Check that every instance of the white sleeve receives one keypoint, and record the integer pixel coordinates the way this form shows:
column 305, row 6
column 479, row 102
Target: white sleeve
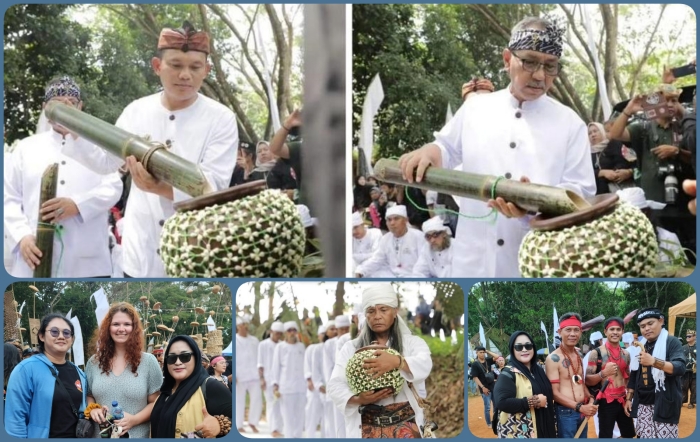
column 16, row 222
column 98, row 200
column 276, row 365
column 578, row 173
column 337, row 387
column 421, row 269
column 419, row 361
column 93, row 157
column 449, row 139
column 308, row 362
column 375, row 262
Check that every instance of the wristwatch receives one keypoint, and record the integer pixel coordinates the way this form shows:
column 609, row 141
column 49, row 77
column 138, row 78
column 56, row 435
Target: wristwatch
column 578, row 407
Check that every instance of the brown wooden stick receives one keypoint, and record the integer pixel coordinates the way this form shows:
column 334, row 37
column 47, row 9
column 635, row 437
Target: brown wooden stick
column 45, row 232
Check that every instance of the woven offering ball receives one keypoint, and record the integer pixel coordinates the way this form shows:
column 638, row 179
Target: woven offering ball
column 620, row 244
column 256, row 236
column 360, row 381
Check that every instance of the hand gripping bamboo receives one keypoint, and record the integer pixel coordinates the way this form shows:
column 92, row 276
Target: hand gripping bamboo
column 158, row 161
column 535, row 198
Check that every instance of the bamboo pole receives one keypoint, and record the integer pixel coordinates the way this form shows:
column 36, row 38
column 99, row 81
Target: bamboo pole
column 536, row 198
column 45, row 232
column 162, row 164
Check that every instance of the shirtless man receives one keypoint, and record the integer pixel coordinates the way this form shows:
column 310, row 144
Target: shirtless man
column 564, row 368
column 614, row 366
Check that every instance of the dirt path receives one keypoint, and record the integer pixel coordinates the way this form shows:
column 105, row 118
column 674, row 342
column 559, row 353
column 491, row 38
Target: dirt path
column 477, row 424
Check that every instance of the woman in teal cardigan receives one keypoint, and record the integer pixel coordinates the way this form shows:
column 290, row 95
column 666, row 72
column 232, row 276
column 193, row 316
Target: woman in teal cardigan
column 36, row 407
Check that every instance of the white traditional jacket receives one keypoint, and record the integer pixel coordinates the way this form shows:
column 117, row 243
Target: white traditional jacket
column 491, row 134
column 246, row 358
column 82, row 242
column 266, row 350
column 288, row 368
column 363, row 248
column 204, row 133
column 433, row 264
column 395, row 256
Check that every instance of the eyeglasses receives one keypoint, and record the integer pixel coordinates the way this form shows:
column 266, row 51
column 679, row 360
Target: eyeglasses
column 689, row 336
column 519, row 347
column 66, row 332
column 432, row 235
column 184, row 357
column 532, row 66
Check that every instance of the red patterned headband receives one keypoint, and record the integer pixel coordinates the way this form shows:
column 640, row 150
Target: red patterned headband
column 614, row 324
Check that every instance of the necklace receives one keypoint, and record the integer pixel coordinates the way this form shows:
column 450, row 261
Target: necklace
column 575, row 379
column 397, row 250
column 611, row 354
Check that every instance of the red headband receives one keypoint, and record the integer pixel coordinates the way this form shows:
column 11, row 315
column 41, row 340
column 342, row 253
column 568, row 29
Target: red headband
column 614, row 323
column 569, row 322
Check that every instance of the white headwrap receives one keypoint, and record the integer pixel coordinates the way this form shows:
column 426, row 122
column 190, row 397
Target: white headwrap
column 627, row 338
column 305, row 216
column 434, row 224
column 383, row 294
column 356, row 219
column 277, row 326
column 321, row 330
column 330, row 324
column 342, row 321
column 397, row 210
column 637, row 197
column 290, row 325
column 242, row 320
column 595, row 336
column 239, row 321
column 659, row 353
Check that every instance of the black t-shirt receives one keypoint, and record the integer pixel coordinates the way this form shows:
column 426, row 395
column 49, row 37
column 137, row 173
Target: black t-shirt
column 295, row 159
column 218, row 399
column 479, row 371
column 282, row 176
column 63, row 420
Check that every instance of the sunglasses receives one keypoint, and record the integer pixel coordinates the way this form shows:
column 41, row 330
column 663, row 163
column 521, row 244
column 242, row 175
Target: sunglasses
column 66, row 332
column 432, row 235
column 689, row 336
column 184, row 357
column 520, row 347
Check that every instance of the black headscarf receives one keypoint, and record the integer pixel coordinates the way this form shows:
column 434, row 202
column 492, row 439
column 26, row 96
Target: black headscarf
column 540, row 385
column 11, row 358
column 164, row 414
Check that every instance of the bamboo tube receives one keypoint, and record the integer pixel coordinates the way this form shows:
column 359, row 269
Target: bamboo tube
column 536, row 198
column 45, row 233
column 163, row 165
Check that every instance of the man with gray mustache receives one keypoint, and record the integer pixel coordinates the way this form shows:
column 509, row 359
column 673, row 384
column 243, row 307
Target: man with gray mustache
column 517, row 133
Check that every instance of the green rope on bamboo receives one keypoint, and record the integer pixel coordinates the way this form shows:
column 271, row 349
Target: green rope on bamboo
column 58, row 234
column 493, row 213
column 257, row 236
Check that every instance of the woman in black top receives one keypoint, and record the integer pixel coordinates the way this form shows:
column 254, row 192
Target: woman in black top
column 183, row 379
column 46, row 394
column 613, row 163
column 523, row 370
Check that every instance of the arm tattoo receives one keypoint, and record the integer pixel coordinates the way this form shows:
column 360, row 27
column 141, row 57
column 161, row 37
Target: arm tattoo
column 554, row 357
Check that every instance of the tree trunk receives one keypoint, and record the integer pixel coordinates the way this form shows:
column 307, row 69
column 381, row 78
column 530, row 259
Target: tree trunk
column 339, row 304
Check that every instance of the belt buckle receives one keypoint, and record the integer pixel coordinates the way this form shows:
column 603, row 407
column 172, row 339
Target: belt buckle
column 386, row 420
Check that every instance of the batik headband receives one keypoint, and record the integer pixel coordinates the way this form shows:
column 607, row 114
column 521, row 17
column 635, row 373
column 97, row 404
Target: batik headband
column 549, row 40
column 184, row 39
column 63, row 87
column 649, row 313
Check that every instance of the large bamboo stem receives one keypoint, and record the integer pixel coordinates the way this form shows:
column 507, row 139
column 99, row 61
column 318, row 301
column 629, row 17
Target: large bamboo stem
column 164, row 165
column 536, row 198
column 45, row 232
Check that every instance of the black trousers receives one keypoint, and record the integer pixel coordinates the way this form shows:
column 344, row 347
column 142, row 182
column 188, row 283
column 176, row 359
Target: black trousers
column 608, row 415
column 689, row 382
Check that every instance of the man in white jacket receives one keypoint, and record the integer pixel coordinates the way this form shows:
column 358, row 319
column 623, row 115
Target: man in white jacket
column 247, row 379
column 516, row 133
column 192, row 126
column 288, row 383
column 364, row 241
column 384, row 325
column 313, row 369
column 80, row 211
column 435, row 260
column 266, row 350
column 398, row 250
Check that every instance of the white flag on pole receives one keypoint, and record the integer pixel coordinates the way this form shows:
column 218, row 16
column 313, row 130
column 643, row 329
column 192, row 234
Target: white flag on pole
column 22, row 307
column 602, row 88
column 211, row 325
column 545, row 336
column 68, row 314
column 267, row 74
column 373, row 99
column 78, row 353
column 482, row 336
column 102, row 305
